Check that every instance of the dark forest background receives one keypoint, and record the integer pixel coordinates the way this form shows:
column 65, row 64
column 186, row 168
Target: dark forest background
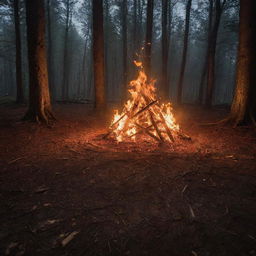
column 69, row 47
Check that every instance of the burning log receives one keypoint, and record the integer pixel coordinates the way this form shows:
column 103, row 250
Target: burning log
column 148, row 133
column 135, row 115
column 141, row 131
column 155, row 125
column 118, row 120
column 169, row 133
column 142, row 113
column 145, row 108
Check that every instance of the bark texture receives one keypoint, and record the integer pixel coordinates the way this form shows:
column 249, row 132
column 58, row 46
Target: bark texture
column 165, row 85
column 184, row 54
column 39, row 97
column 202, row 82
column 65, row 80
column 148, row 42
column 125, row 67
column 19, row 83
column 243, row 110
column 50, row 50
column 212, row 52
column 98, row 55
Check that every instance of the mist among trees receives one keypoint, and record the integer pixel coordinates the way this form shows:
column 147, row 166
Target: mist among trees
column 180, row 39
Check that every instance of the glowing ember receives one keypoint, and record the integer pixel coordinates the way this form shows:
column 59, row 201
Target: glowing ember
column 142, row 113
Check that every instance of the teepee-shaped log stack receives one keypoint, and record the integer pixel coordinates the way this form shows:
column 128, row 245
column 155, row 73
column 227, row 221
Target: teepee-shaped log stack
column 143, row 114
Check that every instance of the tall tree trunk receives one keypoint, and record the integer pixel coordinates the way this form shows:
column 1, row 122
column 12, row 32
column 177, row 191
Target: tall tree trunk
column 243, row 110
column 165, row 85
column 184, row 54
column 107, row 47
column 98, row 55
column 39, row 96
column 211, row 54
column 65, row 89
column 202, row 81
column 135, row 29
column 125, row 67
column 139, row 38
column 135, row 35
column 19, row 83
column 169, row 38
column 50, row 55
column 139, row 29
column 84, row 74
column 149, row 32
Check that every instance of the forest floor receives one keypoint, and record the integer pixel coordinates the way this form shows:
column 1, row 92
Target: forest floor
column 66, row 191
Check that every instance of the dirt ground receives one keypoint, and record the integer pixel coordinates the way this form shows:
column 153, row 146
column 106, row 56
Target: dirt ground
column 66, row 191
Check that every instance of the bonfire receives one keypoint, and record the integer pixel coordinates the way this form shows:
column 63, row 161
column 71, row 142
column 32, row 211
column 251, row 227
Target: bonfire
column 143, row 114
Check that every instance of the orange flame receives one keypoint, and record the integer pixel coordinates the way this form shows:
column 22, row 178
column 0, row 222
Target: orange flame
column 139, row 110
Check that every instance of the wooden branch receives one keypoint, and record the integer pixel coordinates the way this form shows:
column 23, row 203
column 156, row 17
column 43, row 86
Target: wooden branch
column 145, row 108
column 148, row 133
column 168, row 131
column 127, row 113
column 116, row 122
column 155, row 126
column 184, row 136
column 140, row 131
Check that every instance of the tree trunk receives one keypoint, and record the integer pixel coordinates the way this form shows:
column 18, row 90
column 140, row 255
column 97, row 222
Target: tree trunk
column 165, row 85
column 135, row 36
column 201, row 86
column 184, row 54
column 169, row 38
column 148, row 42
column 39, row 97
column 50, row 55
column 135, row 29
column 98, row 55
column 125, row 68
column 65, row 86
column 243, row 110
column 139, row 29
column 106, row 27
column 211, row 54
column 84, row 74
column 19, row 83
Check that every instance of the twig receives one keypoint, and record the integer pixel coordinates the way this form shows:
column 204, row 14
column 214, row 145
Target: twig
column 69, row 238
column 15, row 160
column 184, row 189
column 191, row 211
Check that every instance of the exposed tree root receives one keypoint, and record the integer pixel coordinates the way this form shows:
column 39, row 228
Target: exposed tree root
column 45, row 116
column 232, row 121
column 223, row 121
column 252, row 119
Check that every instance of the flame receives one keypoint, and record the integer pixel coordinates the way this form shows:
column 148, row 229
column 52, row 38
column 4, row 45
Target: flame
column 139, row 110
column 137, row 63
